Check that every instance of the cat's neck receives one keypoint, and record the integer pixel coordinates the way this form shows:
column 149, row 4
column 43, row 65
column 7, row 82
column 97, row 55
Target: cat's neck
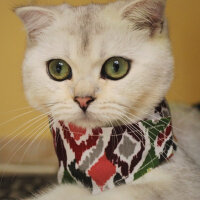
column 103, row 158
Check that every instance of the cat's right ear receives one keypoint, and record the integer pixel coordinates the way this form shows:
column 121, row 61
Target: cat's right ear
column 145, row 15
column 35, row 19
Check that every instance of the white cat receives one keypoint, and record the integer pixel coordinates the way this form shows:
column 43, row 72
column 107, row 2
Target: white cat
column 66, row 74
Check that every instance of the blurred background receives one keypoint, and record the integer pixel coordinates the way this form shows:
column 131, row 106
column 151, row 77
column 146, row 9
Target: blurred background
column 26, row 147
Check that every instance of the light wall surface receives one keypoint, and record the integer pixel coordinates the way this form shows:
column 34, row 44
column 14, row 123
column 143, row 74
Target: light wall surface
column 184, row 23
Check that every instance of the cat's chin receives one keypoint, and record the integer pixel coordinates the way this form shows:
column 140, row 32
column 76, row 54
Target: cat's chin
column 87, row 124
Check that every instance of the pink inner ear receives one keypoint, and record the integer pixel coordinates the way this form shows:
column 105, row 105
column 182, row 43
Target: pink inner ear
column 146, row 14
column 35, row 21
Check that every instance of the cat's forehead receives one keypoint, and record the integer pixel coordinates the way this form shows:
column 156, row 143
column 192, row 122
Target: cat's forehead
column 90, row 32
column 82, row 24
column 88, row 27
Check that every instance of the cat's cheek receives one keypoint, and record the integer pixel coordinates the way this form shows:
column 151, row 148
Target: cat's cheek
column 36, row 102
column 40, row 90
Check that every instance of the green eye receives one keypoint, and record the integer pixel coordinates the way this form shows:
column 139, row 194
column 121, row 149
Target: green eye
column 115, row 68
column 59, row 70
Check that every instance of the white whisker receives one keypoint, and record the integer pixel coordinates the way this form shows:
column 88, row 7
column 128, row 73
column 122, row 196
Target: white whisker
column 18, row 116
column 38, row 119
column 37, row 136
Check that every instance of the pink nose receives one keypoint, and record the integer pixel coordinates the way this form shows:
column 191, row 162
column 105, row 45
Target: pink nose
column 84, row 102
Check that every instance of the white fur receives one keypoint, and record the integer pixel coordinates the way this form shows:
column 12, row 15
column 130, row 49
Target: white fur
column 109, row 34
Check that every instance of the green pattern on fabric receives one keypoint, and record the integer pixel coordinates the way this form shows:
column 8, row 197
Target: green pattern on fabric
column 149, row 163
column 154, row 130
column 67, row 178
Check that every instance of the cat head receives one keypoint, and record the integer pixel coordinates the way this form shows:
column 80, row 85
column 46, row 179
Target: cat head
column 97, row 65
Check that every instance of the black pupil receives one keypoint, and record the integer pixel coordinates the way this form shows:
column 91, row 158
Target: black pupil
column 59, row 68
column 116, row 66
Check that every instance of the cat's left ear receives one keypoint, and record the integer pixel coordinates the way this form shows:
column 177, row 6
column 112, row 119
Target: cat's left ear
column 35, row 19
column 145, row 14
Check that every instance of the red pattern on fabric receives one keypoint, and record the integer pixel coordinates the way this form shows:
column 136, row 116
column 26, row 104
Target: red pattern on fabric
column 79, row 149
column 163, row 136
column 102, row 171
column 77, row 131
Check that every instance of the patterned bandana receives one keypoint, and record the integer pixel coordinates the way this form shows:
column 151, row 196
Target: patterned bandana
column 103, row 158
